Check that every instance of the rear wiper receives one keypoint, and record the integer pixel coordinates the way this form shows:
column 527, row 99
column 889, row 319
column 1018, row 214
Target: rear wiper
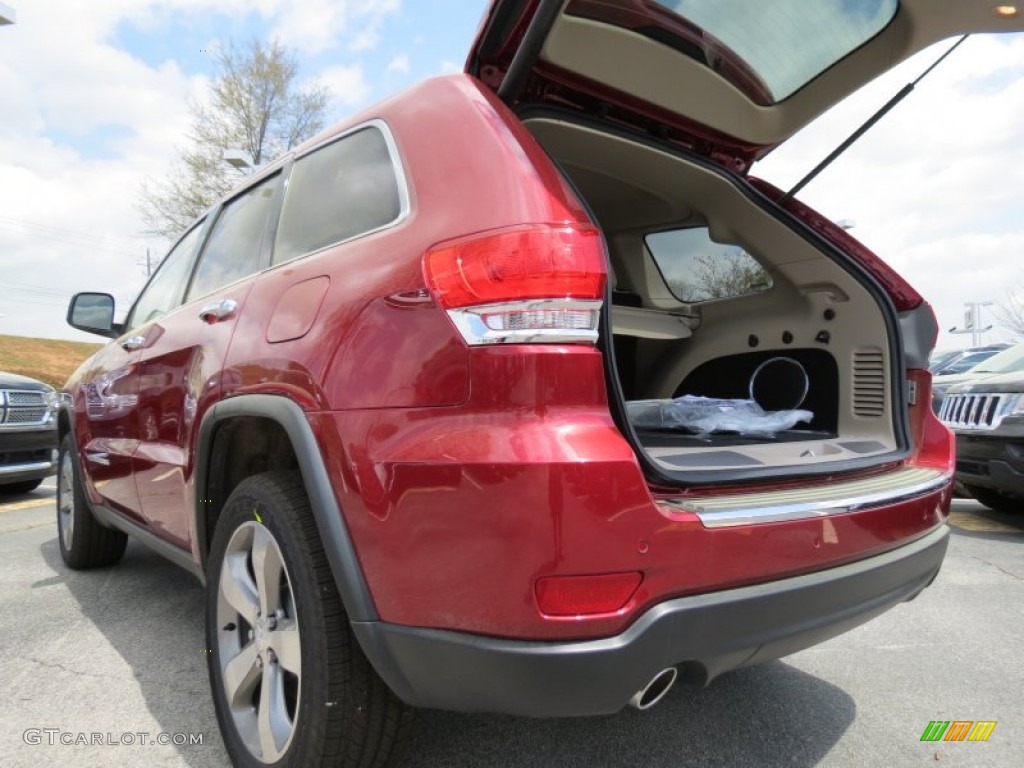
column 903, row 93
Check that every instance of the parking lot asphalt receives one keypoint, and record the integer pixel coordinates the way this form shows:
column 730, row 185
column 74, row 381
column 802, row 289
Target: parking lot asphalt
column 116, row 656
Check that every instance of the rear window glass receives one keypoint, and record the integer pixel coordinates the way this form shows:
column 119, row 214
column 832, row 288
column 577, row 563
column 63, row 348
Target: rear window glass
column 788, row 43
column 345, row 189
column 235, row 246
column 696, row 268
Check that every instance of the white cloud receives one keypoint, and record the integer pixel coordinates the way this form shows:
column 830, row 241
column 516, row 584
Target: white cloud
column 934, row 188
column 310, row 26
column 313, row 26
column 449, row 67
column 59, row 77
column 399, row 64
column 348, row 86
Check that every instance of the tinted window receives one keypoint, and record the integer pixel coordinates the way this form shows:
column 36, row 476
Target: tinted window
column 967, row 362
column 343, row 190
column 696, row 268
column 939, row 360
column 163, row 293
column 788, row 43
column 233, row 250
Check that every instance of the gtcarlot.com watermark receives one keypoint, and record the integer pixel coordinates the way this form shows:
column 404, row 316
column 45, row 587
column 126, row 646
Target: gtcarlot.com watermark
column 59, row 737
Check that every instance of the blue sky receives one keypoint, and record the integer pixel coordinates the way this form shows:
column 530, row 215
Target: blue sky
column 393, row 49
column 381, row 54
column 93, row 101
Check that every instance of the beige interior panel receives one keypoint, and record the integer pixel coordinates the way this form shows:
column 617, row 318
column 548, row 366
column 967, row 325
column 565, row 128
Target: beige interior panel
column 806, row 281
column 650, row 323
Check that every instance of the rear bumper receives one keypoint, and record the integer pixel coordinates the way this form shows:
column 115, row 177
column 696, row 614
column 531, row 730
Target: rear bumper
column 704, row 634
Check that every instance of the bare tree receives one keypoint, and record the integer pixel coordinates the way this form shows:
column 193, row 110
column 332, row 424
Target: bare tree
column 721, row 275
column 1009, row 311
column 734, row 273
column 254, row 104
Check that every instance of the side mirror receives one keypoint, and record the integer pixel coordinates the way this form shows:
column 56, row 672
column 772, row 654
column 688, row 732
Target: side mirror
column 93, row 313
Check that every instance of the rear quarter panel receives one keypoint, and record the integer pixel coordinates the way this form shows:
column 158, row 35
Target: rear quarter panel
column 379, row 340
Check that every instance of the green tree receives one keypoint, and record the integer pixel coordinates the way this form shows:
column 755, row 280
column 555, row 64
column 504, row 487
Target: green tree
column 254, row 104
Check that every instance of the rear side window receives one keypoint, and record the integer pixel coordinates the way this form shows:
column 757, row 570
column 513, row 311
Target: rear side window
column 163, row 293
column 696, row 268
column 345, row 189
column 235, row 245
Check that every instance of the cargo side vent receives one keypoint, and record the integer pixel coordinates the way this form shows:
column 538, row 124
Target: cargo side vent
column 869, row 383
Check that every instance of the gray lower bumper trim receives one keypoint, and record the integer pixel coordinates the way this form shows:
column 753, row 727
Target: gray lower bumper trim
column 704, row 635
column 35, row 466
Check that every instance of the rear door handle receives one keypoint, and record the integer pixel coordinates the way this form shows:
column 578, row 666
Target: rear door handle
column 217, row 311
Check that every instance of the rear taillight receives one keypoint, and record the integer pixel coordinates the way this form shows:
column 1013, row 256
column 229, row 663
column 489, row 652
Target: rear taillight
column 539, row 283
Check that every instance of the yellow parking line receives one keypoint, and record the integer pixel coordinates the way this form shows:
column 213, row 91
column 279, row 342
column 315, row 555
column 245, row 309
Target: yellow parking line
column 16, row 505
column 969, row 522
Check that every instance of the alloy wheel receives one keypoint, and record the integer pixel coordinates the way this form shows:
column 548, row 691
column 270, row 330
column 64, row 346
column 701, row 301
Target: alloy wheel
column 258, row 644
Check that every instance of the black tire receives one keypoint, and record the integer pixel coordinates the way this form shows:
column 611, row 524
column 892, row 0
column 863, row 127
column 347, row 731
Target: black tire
column 995, row 500
column 25, row 486
column 84, row 543
column 336, row 713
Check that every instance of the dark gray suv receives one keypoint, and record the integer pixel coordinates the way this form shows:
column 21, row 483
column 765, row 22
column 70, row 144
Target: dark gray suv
column 987, row 414
column 28, row 433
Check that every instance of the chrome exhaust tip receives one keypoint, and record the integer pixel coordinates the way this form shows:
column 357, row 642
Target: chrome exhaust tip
column 655, row 690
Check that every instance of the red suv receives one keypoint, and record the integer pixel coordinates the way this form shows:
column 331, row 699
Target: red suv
column 516, row 394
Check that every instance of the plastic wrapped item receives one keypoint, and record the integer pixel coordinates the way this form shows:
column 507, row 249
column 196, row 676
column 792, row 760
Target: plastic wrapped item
column 705, row 415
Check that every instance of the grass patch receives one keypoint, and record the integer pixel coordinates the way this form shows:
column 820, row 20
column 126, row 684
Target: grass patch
column 49, row 360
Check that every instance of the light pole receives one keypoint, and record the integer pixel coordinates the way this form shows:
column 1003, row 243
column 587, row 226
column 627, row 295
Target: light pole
column 240, row 160
column 972, row 321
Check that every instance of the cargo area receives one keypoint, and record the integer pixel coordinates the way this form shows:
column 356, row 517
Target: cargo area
column 714, row 296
